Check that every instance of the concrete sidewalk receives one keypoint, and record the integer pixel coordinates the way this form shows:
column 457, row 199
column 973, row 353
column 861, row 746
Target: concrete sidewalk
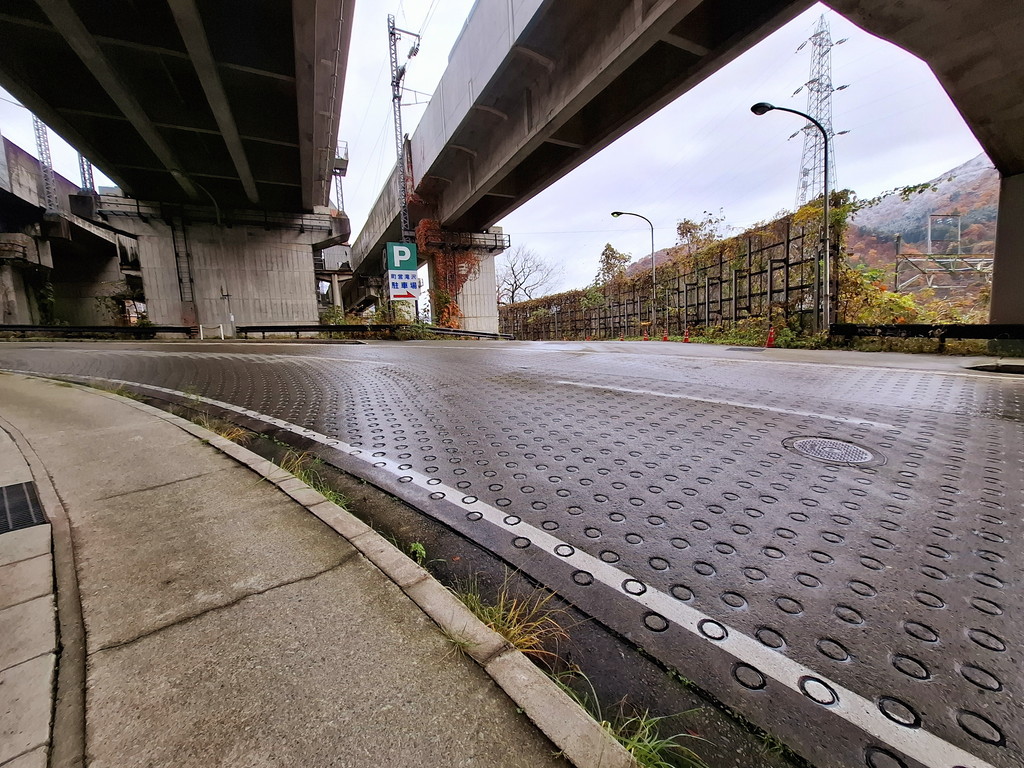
column 225, row 624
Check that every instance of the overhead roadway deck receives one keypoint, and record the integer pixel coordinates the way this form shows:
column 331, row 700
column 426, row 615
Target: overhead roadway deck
column 188, row 100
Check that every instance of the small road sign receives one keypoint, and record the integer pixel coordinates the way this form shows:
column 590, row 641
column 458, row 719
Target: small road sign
column 403, row 282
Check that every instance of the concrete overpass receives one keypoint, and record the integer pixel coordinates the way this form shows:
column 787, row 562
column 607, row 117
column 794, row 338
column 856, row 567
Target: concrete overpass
column 218, row 115
column 534, row 88
column 56, row 265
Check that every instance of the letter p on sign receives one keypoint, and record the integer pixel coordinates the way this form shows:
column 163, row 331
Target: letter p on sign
column 402, row 256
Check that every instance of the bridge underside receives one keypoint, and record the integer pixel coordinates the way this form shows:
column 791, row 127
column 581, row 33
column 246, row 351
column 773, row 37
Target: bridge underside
column 188, row 101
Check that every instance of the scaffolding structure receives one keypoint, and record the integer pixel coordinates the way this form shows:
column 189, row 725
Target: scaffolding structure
column 944, row 267
column 50, row 199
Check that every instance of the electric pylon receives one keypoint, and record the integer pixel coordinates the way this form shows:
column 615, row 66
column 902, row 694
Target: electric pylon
column 810, row 183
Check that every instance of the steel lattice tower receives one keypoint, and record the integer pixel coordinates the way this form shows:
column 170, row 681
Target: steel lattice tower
column 810, row 184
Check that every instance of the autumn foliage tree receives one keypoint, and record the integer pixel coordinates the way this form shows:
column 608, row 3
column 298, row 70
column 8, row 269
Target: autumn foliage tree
column 612, row 265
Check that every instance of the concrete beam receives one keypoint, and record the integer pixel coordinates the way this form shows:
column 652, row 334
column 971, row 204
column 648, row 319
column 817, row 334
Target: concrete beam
column 55, row 120
column 70, row 26
column 322, row 30
column 973, row 48
column 190, row 25
column 1008, row 268
column 175, row 127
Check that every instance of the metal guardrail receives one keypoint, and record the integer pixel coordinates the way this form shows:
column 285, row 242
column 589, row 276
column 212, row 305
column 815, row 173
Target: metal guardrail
column 939, row 332
column 330, row 330
column 245, row 330
column 472, row 334
column 139, row 331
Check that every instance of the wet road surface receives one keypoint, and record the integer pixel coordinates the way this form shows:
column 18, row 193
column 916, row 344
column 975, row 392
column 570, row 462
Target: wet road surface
column 829, row 543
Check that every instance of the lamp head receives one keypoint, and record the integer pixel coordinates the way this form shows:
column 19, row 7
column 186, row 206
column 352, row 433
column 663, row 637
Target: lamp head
column 616, row 214
column 761, row 107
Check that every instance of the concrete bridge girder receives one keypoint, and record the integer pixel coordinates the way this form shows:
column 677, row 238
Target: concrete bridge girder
column 189, row 100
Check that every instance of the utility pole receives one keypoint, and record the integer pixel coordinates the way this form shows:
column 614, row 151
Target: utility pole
column 397, row 75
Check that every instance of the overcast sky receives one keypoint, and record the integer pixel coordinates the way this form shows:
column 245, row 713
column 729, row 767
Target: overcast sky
column 706, row 151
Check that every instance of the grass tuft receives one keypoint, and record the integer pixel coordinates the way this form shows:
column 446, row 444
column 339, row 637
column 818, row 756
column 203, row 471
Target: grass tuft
column 530, row 624
column 118, row 389
column 224, row 428
column 637, row 731
column 304, row 466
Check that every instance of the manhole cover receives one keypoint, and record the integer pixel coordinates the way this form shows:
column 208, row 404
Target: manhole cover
column 831, row 451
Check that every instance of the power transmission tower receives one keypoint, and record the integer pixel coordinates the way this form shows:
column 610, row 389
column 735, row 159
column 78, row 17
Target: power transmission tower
column 810, row 183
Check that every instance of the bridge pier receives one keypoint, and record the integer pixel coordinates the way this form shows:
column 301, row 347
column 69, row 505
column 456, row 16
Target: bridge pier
column 199, row 266
column 1008, row 268
column 477, row 298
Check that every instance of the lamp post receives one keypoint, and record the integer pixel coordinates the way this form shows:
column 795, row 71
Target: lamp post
column 654, row 278
column 761, row 108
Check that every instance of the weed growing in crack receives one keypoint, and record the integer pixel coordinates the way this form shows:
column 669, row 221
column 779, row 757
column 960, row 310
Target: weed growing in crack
column 304, row 466
column 636, row 730
column 418, row 553
column 116, row 389
column 530, row 624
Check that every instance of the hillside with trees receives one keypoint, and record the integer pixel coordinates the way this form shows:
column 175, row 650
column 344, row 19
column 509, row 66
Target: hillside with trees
column 970, row 190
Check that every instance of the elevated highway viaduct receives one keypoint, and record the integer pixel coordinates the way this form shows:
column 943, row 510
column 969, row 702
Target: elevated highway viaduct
column 218, row 120
column 536, row 87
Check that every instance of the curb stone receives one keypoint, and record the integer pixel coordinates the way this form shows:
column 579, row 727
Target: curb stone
column 580, row 738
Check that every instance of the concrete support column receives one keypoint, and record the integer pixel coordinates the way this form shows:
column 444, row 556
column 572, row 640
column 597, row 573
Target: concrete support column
column 1008, row 269
column 15, row 308
column 478, row 298
column 335, row 290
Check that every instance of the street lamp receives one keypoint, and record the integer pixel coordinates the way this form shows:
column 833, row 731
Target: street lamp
column 761, row 108
column 654, row 278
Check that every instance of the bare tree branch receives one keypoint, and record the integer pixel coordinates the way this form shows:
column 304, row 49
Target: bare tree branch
column 523, row 275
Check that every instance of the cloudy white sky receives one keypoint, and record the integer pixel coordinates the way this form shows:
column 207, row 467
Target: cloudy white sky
column 706, row 151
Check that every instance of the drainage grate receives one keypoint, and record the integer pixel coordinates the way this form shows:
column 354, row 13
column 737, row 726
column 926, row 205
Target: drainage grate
column 831, row 451
column 19, row 507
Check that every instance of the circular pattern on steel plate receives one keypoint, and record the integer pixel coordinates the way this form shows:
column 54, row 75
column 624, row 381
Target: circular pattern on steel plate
column 899, row 712
column 749, row 677
column 831, row 451
column 770, row 637
column 875, row 757
column 712, row 630
column 818, row 691
column 833, row 649
column 980, row 727
column 910, row 666
column 981, row 678
column 655, row 622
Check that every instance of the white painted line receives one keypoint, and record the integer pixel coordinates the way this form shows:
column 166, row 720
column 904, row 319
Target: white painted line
column 916, row 743
column 734, row 403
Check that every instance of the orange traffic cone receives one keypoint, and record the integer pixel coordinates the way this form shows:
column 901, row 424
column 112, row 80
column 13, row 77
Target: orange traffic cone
column 686, row 336
column 646, row 337
column 664, row 336
column 770, row 342
column 622, row 335
column 588, row 338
